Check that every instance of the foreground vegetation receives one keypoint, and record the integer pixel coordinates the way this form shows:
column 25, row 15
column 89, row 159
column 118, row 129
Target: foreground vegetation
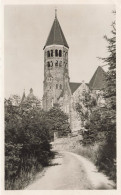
column 28, row 133
column 99, row 121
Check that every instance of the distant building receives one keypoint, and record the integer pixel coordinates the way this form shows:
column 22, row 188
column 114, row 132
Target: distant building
column 57, row 85
column 31, row 98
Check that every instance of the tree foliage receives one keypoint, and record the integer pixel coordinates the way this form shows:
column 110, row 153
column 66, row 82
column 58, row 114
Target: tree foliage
column 27, row 140
column 28, row 133
column 101, row 121
column 57, row 121
column 108, row 152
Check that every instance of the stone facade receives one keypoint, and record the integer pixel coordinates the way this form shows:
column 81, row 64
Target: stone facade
column 55, row 73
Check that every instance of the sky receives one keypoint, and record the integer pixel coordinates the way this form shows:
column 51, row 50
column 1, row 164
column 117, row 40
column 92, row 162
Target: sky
column 26, row 28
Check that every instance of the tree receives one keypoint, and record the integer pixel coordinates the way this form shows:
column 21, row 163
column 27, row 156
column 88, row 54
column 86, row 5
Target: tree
column 101, row 122
column 108, row 151
column 86, row 108
column 27, row 140
column 57, row 121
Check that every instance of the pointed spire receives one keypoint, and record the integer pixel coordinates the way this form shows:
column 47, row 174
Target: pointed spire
column 55, row 13
column 56, row 35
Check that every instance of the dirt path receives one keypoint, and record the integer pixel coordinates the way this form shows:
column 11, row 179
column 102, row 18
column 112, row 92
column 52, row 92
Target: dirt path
column 69, row 171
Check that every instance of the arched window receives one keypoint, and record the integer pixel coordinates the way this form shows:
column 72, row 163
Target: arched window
column 48, row 64
column 51, row 64
column 60, row 86
column 66, row 55
column 56, row 86
column 60, row 53
column 48, row 53
column 60, row 63
column 56, row 64
column 51, row 53
column 56, row 52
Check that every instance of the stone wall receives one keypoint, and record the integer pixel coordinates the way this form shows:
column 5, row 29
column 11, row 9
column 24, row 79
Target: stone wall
column 54, row 73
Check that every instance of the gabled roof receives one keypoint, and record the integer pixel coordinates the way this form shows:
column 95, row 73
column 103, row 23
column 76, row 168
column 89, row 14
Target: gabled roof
column 74, row 86
column 98, row 81
column 56, row 35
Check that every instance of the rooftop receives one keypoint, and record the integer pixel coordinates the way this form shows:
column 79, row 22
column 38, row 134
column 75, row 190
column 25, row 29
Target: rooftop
column 56, row 36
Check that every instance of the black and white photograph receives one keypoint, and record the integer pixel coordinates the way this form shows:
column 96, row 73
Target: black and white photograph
column 60, row 96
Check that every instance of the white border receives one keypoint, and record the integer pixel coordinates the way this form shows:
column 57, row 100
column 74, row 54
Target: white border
column 118, row 23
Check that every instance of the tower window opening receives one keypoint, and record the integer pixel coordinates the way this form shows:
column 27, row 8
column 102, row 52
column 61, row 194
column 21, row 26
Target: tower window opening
column 60, row 63
column 51, row 53
column 60, row 53
column 56, row 86
column 56, row 52
column 48, row 64
column 66, row 55
column 60, row 86
column 51, row 64
column 48, row 53
column 50, row 87
column 56, row 64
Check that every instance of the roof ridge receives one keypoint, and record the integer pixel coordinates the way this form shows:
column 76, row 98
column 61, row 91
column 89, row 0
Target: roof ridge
column 54, row 29
column 60, row 32
column 95, row 76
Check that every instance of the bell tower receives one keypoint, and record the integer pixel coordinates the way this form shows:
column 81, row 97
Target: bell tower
column 55, row 65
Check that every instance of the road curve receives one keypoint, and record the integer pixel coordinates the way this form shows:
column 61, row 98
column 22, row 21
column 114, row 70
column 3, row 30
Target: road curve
column 69, row 171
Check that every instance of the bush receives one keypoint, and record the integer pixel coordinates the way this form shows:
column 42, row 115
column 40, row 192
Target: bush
column 27, row 142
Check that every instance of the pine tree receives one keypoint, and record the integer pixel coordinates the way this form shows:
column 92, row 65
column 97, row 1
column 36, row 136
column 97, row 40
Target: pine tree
column 107, row 157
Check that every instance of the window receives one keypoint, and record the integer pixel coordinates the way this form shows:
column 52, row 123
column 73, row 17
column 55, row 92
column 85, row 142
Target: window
column 60, row 63
column 50, row 87
column 56, row 64
column 56, row 86
column 66, row 55
column 51, row 64
column 48, row 64
column 51, row 53
column 48, row 53
column 56, row 52
column 60, row 53
column 60, row 86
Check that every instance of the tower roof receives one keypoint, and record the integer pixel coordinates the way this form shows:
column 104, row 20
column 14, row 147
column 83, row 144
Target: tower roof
column 98, row 81
column 56, row 35
column 74, row 86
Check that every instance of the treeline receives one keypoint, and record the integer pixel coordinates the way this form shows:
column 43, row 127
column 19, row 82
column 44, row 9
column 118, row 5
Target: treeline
column 28, row 133
column 99, row 121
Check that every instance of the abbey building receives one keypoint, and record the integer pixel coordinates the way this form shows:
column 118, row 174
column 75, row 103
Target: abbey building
column 57, row 86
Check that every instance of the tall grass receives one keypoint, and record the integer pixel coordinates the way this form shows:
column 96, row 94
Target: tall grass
column 89, row 152
column 25, row 176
